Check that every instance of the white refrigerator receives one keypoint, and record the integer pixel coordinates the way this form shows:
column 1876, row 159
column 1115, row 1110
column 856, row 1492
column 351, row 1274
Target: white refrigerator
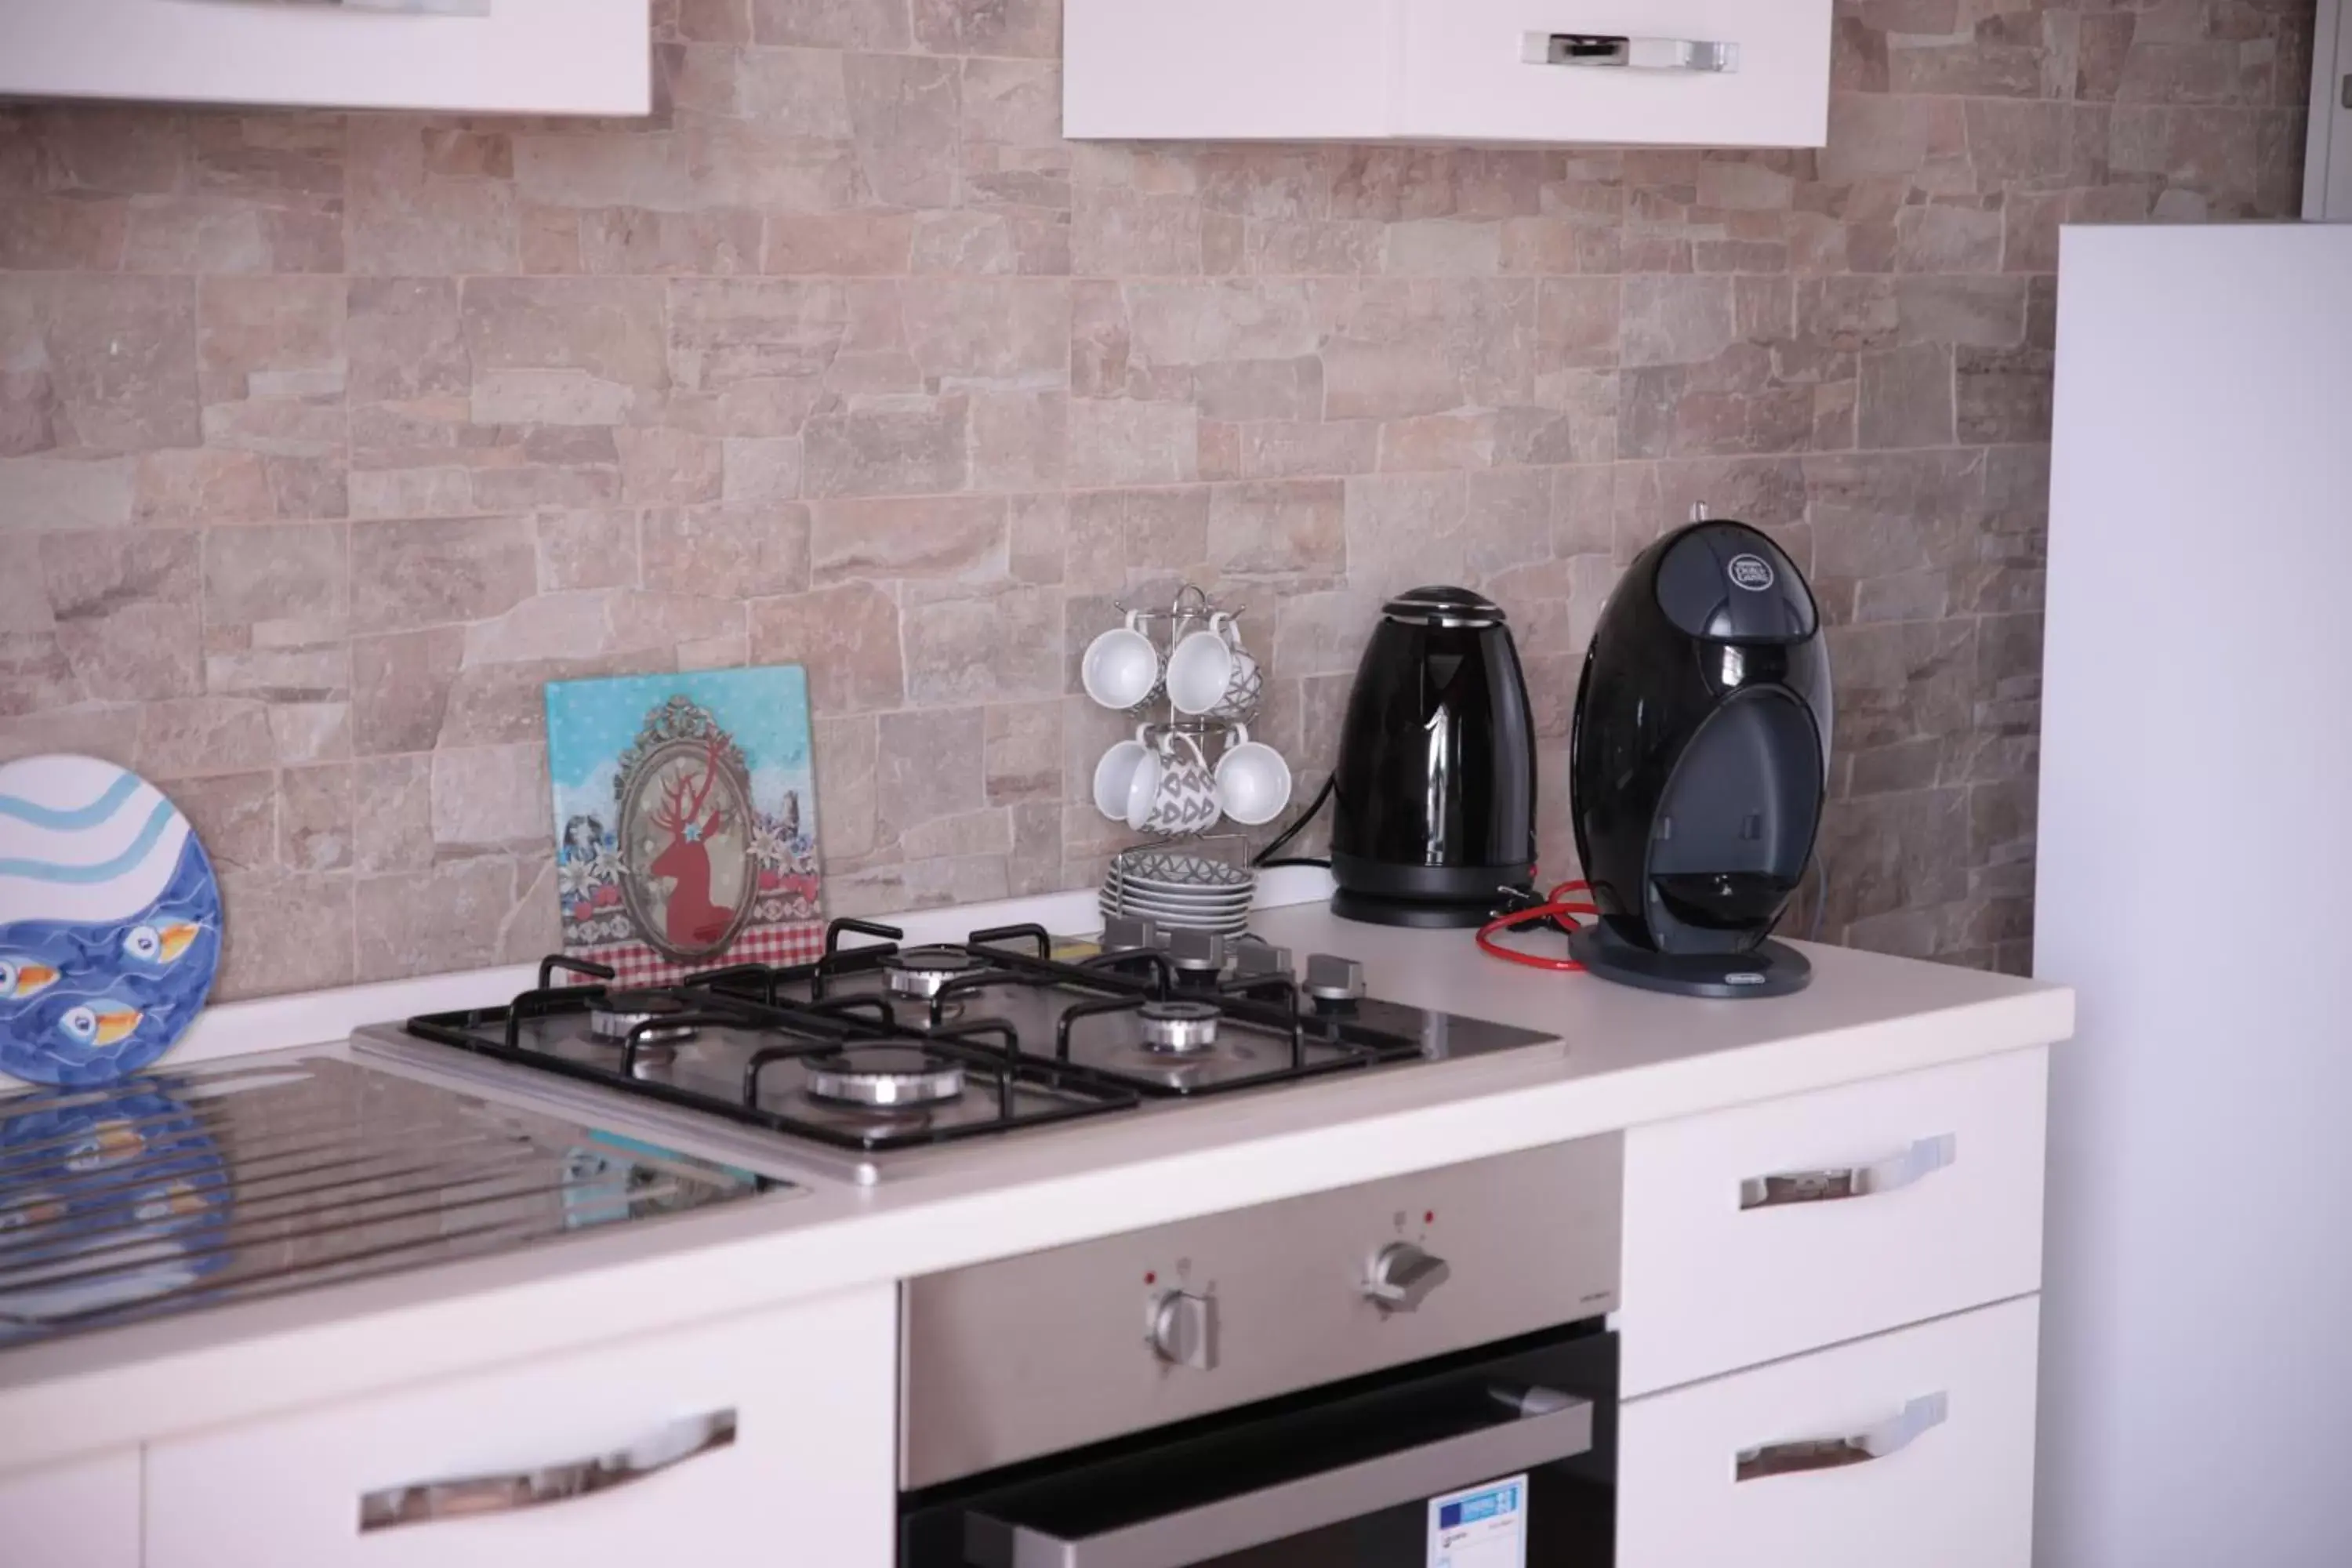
column 2195, row 886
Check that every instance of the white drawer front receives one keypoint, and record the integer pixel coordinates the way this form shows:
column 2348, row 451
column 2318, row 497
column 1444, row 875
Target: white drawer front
column 538, row 57
column 1953, row 1219
column 1952, row 1488
column 809, row 1476
column 79, row 1515
column 1467, row 74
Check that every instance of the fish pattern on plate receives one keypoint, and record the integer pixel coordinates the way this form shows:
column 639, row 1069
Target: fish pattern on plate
column 109, row 922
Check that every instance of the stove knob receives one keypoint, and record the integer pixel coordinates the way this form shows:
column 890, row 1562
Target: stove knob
column 1184, row 1329
column 1402, row 1276
column 1335, row 982
column 1197, row 952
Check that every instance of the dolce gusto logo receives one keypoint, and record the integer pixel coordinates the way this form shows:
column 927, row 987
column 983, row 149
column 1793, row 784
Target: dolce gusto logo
column 1752, row 573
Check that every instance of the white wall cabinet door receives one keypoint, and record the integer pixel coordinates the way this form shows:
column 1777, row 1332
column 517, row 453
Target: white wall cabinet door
column 522, row 56
column 758, row 1440
column 1699, row 73
column 1915, row 1448
column 1753, row 73
column 84, row 1514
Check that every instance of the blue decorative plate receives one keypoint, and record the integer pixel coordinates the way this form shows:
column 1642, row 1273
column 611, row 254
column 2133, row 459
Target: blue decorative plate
column 109, row 922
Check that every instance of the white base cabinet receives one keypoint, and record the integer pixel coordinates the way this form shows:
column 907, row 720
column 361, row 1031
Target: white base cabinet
column 765, row 1439
column 1914, row 1448
column 515, row 56
column 84, row 1514
column 1691, row 73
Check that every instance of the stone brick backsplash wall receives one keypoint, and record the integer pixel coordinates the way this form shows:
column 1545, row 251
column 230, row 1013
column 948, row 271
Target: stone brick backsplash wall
column 325, row 440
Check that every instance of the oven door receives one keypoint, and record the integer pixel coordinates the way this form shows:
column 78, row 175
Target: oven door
column 1498, row 1457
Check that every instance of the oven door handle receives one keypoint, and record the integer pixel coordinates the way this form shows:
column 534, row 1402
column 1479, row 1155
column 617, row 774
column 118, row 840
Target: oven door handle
column 1550, row 1427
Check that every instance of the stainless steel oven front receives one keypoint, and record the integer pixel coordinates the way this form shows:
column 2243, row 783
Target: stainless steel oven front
column 1410, row 1371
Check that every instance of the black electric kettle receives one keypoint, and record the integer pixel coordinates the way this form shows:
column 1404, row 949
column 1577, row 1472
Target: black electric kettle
column 1435, row 793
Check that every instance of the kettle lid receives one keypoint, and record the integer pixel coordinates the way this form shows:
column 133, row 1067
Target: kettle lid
column 1439, row 606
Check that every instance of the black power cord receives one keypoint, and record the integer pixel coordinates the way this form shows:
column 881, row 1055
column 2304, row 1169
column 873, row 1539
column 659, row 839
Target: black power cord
column 1266, row 858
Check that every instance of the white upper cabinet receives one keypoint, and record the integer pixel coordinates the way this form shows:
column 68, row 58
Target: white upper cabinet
column 1696, row 73
column 519, row 57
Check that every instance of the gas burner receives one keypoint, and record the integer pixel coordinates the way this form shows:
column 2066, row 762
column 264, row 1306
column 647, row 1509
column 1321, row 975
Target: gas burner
column 884, row 1078
column 621, row 1011
column 924, row 971
column 1179, row 1028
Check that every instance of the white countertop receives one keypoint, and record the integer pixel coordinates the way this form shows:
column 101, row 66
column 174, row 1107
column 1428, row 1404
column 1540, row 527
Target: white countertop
column 1623, row 1057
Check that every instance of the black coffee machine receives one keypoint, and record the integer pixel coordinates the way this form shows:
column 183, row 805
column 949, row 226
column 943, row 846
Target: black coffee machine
column 1698, row 766
column 1435, row 793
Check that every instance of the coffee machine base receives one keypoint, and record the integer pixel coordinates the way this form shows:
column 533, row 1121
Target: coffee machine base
column 1768, row 969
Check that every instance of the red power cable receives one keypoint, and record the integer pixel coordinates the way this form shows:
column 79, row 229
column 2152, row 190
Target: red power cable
column 1554, row 905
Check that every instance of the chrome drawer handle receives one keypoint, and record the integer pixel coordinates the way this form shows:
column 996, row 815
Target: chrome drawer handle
column 1923, row 1159
column 426, row 1501
column 1892, row 1437
column 1616, row 51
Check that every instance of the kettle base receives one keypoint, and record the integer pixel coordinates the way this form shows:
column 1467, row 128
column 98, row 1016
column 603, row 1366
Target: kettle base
column 1370, row 908
column 1768, row 969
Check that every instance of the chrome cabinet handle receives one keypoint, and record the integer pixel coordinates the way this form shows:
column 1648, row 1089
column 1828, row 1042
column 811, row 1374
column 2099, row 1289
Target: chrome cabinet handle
column 426, row 1501
column 1890, row 1436
column 1550, row 1425
column 1616, row 51
column 1923, row 1159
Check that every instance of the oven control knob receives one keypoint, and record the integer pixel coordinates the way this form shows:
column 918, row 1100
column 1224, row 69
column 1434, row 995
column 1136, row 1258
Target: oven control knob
column 1335, row 983
column 1184, row 1329
column 1402, row 1276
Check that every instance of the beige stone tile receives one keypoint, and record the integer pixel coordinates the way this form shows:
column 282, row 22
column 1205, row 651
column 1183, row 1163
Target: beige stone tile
column 428, row 570
column 282, row 931
column 904, row 112
column 113, row 361
column 405, row 218
column 456, row 915
column 844, row 750
column 847, row 636
column 489, row 799
column 1276, row 527
column 1023, row 760
column 235, row 817
column 124, row 612
column 401, row 687
column 392, row 812
column 933, row 537
column 927, row 765
column 315, row 823
column 298, row 575
column 832, row 23
column 1117, row 441
column 838, row 245
column 982, row 643
column 910, row 444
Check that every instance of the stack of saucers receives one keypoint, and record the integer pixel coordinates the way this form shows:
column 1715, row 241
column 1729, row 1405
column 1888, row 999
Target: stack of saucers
column 1175, row 887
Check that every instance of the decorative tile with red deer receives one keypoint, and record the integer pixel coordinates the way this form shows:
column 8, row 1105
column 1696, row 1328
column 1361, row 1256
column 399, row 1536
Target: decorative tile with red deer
column 686, row 819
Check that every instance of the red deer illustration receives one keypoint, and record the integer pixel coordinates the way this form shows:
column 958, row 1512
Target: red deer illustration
column 694, row 922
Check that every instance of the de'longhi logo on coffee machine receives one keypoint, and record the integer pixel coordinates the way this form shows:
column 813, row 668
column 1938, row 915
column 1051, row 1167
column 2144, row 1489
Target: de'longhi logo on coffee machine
column 1752, row 573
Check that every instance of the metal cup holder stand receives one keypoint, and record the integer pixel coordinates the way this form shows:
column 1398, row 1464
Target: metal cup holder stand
column 1189, row 611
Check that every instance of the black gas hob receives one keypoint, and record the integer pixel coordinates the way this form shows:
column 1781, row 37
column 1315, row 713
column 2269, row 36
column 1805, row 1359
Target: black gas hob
column 879, row 1045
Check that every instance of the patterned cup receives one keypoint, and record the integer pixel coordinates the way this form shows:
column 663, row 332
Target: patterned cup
column 1174, row 792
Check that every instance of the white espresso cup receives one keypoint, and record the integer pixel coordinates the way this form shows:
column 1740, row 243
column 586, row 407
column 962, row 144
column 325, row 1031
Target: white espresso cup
column 1209, row 673
column 1116, row 773
column 1253, row 780
column 1121, row 668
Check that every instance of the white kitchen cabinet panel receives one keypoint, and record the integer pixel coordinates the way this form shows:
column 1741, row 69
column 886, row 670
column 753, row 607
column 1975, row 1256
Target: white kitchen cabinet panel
column 523, row 57
column 1483, row 70
column 1914, row 1448
column 1702, row 73
column 763, row 1439
column 1769, row 1229
column 79, row 1515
